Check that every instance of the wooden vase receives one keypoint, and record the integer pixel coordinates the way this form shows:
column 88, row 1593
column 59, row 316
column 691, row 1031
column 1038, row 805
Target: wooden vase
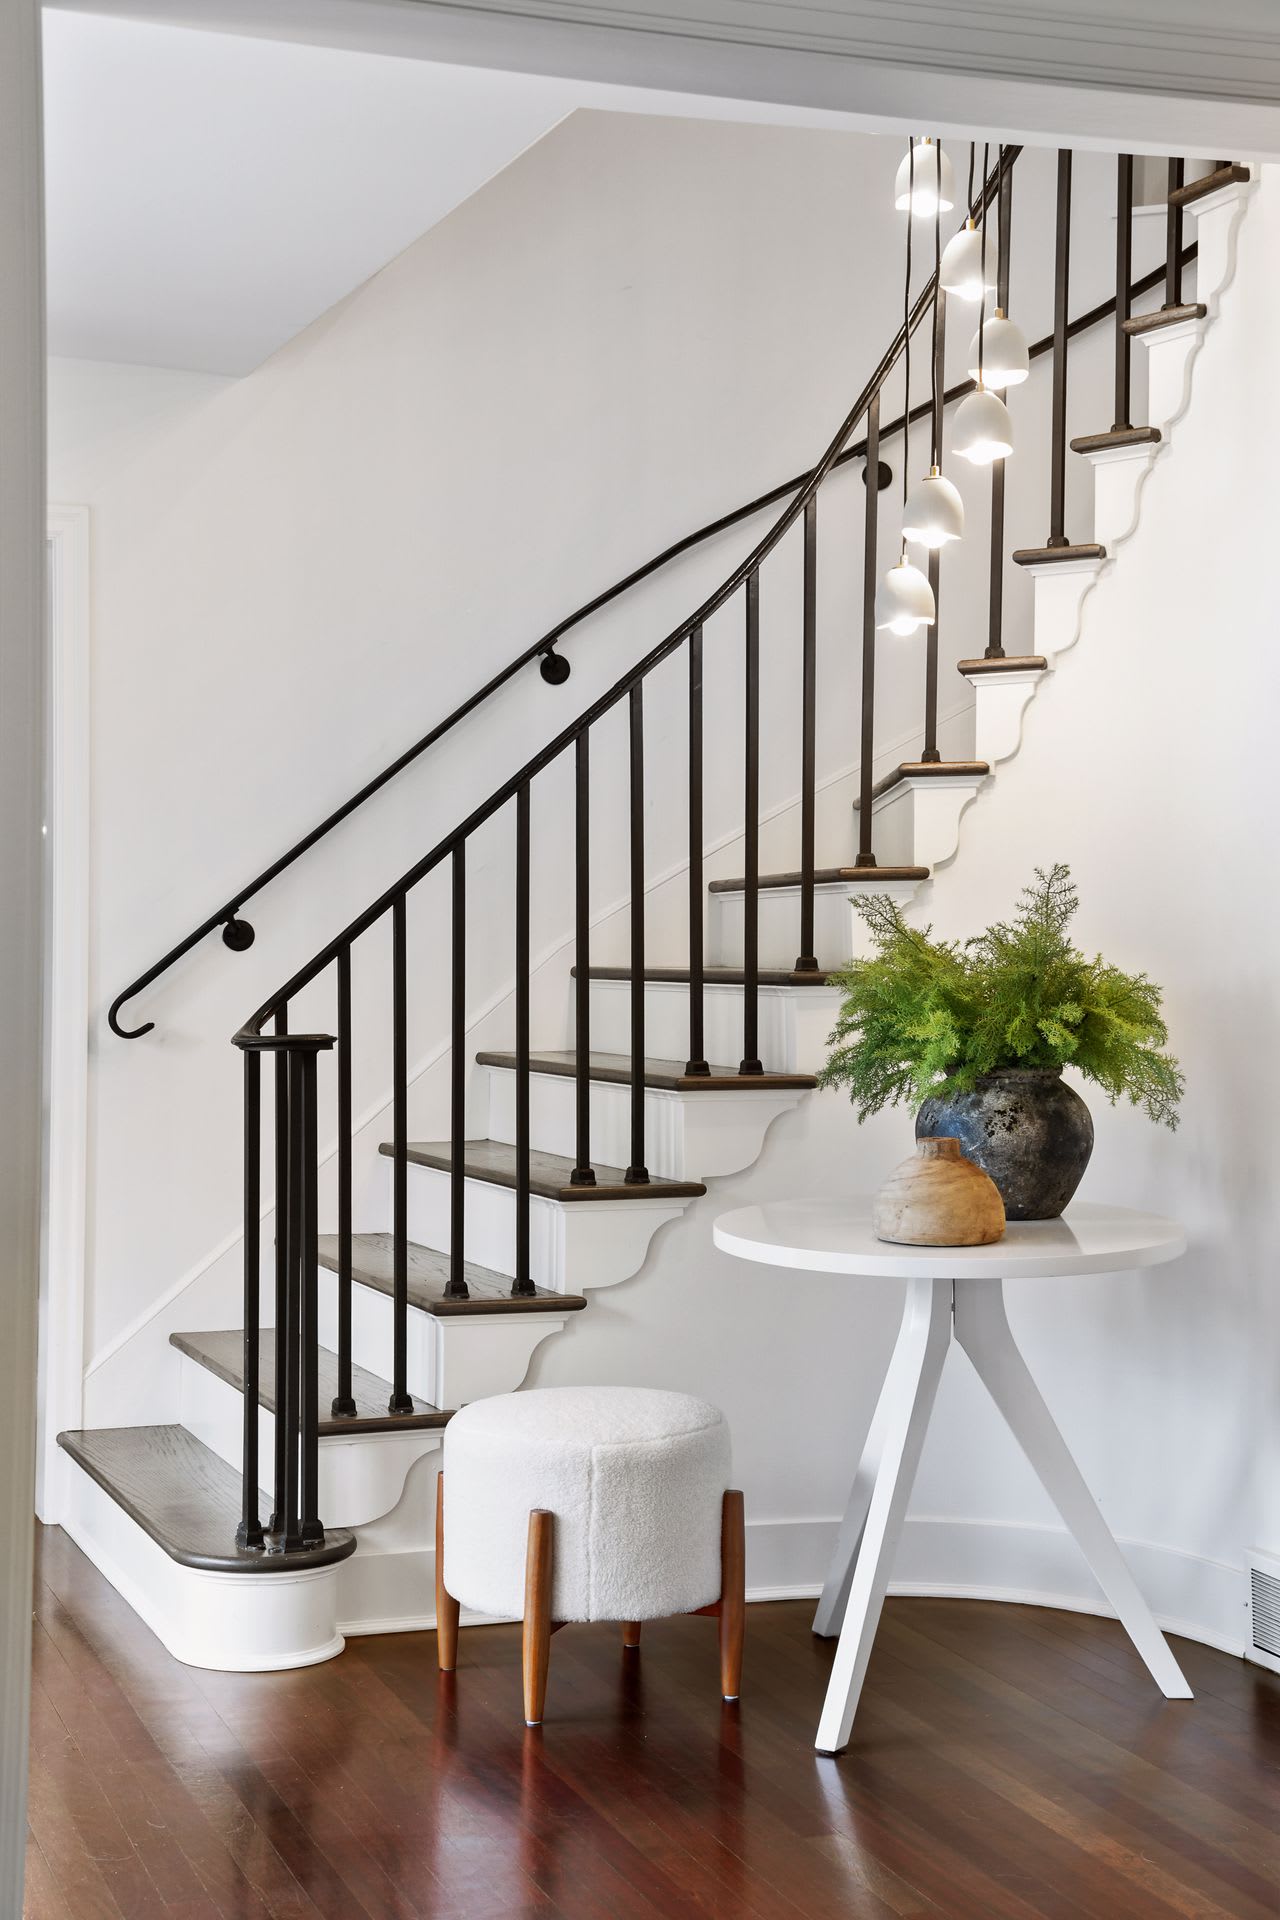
column 938, row 1199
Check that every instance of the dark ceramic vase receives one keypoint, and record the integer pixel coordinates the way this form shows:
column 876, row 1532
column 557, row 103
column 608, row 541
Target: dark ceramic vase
column 1026, row 1128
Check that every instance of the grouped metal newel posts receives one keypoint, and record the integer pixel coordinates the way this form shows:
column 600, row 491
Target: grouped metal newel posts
column 751, row 835
column 344, row 1406
column 937, row 367
column 1061, row 280
column 456, row 1287
column 583, row 1174
column 1124, row 304
column 522, row 1284
column 399, row 1402
column 295, row 1517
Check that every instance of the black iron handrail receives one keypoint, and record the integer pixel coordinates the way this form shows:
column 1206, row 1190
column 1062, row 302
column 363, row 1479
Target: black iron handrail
column 238, row 934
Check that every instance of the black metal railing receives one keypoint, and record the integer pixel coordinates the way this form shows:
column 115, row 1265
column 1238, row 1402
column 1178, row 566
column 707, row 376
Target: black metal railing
column 294, row 1520
column 238, row 933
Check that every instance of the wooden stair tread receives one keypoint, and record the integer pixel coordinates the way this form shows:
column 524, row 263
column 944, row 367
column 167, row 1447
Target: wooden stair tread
column 1049, row 556
column 222, row 1353
column 1116, row 437
column 1165, row 317
column 1228, row 176
column 712, row 976
column 494, row 1161
column 665, row 1075
column 1005, row 663
column 827, row 877
column 925, row 770
column 187, row 1499
column 373, row 1265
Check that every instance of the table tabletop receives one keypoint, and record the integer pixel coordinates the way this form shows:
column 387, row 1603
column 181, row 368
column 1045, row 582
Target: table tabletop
column 836, row 1236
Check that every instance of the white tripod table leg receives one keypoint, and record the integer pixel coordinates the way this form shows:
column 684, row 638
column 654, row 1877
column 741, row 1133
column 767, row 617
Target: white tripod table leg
column 899, row 1429
column 983, row 1330
column 835, row 1593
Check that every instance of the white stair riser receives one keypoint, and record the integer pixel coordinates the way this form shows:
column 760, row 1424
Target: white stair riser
column 232, row 1622
column 1060, row 590
column 838, row 932
column 917, row 822
column 999, row 702
column 450, row 1360
column 1170, row 353
column 794, row 1022
column 688, row 1136
column 1118, row 476
column 362, row 1476
column 573, row 1244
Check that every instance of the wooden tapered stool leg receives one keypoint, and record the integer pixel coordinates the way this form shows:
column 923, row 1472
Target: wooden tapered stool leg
column 631, row 1633
column 538, row 1569
column 733, row 1593
column 446, row 1605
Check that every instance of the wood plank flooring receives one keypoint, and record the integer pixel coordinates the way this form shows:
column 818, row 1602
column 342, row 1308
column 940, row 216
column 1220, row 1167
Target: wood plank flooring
column 1008, row 1764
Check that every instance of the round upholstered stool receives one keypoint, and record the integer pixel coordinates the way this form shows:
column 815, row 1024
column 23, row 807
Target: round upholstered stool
column 589, row 1503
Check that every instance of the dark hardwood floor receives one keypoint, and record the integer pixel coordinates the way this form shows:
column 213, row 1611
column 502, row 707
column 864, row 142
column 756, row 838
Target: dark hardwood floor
column 1007, row 1763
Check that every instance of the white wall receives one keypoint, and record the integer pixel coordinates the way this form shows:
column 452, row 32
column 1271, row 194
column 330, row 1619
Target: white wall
column 638, row 325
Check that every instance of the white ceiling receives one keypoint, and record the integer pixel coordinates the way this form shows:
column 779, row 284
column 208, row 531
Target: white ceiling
column 208, row 195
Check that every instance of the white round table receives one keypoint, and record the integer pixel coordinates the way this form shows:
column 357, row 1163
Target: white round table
column 952, row 1292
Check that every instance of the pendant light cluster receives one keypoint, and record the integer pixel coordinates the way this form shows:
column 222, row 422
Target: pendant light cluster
column 932, row 510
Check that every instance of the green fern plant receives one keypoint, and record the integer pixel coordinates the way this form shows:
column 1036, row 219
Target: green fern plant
column 929, row 1017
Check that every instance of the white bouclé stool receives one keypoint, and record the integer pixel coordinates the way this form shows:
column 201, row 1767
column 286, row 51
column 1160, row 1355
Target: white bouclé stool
column 589, row 1503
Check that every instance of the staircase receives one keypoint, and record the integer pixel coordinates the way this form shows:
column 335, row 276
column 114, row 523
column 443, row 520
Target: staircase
column 312, row 1430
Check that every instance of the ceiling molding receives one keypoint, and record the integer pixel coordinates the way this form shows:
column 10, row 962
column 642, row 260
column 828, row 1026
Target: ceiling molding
column 1159, row 75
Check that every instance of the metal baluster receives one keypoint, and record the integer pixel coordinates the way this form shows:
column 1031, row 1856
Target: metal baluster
column 289, row 1408
column 400, row 1401
column 344, row 1405
column 1062, row 276
column 637, row 1171
column 806, row 961
column 697, row 1061
column 1124, row 276
column 249, row 1532
column 311, row 1530
column 523, row 1282
column 751, row 807
column 1173, row 239
column 870, row 561
column 583, row 1174
column 930, row 750
column 455, row 1287
column 995, row 601
column 276, row 1523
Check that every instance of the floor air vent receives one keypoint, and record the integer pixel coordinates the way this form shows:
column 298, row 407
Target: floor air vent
column 1264, row 1610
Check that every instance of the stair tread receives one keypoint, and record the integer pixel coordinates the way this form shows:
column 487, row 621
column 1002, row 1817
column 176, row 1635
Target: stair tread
column 495, row 1162
column 1165, row 317
column 373, row 1265
column 1116, row 437
column 222, row 1353
column 1049, row 556
column 926, row 770
column 827, row 877
column 1003, row 663
column 712, row 976
column 186, row 1498
column 666, row 1075
column 1230, row 175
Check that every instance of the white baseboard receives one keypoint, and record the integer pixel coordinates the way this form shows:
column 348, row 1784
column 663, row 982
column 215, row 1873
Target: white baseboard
column 1018, row 1564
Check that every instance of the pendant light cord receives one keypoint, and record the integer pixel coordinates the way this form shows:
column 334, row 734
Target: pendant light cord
column 982, row 309
column 968, row 202
column 906, row 332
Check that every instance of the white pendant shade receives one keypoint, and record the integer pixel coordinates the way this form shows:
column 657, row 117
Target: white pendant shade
column 983, row 429
column 934, row 512
column 904, row 601
column 922, row 186
column 961, row 271
column 1005, row 360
